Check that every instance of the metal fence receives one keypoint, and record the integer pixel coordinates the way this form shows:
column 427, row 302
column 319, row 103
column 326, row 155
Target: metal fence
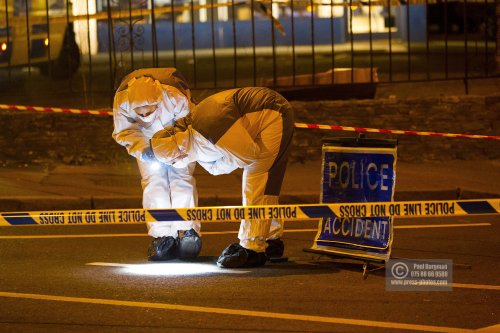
column 81, row 50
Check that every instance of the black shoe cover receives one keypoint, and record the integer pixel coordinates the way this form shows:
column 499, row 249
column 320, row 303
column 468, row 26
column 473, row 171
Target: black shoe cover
column 275, row 248
column 163, row 248
column 236, row 256
column 189, row 244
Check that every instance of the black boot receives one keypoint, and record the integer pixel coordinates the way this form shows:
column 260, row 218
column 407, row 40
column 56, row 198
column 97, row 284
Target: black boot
column 236, row 256
column 275, row 248
column 189, row 244
column 163, row 248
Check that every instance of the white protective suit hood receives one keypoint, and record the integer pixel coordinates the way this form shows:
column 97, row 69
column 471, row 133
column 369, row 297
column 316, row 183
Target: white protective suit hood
column 173, row 147
column 144, row 91
column 169, row 100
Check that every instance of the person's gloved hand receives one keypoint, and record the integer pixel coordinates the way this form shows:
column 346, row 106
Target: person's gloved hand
column 182, row 124
column 148, row 155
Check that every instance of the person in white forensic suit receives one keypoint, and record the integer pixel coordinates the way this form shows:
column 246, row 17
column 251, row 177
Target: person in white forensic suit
column 147, row 101
column 249, row 128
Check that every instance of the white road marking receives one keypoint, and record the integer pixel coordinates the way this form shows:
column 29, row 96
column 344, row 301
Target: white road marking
column 236, row 312
column 489, row 329
column 476, row 286
column 456, row 225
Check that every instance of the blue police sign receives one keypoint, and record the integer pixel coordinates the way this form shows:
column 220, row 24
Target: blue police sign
column 357, row 170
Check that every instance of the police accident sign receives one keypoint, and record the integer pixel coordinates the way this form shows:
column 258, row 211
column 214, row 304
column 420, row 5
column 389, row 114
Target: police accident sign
column 352, row 172
column 237, row 213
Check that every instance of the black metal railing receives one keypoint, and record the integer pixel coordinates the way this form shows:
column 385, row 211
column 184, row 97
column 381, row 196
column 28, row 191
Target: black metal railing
column 83, row 51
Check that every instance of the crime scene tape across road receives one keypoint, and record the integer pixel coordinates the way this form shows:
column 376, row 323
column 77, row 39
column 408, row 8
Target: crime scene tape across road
column 55, row 110
column 389, row 131
column 236, row 213
column 297, row 125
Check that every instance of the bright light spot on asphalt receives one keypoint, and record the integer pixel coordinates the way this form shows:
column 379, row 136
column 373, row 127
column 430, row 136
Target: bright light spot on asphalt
column 169, row 268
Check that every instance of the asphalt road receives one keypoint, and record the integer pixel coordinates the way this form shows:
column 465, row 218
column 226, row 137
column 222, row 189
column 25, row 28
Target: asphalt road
column 97, row 278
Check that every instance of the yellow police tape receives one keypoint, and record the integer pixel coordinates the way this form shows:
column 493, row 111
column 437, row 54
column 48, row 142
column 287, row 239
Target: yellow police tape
column 237, row 213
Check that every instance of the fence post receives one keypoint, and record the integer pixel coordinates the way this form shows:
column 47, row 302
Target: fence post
column 498, row 36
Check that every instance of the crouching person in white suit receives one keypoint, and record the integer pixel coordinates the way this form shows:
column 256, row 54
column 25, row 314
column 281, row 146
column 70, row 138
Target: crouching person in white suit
column 146, row 102
column 249, row 128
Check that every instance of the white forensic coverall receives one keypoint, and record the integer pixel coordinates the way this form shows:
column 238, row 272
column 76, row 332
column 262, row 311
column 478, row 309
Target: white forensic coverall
column 249, row 128
column 163, row 186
